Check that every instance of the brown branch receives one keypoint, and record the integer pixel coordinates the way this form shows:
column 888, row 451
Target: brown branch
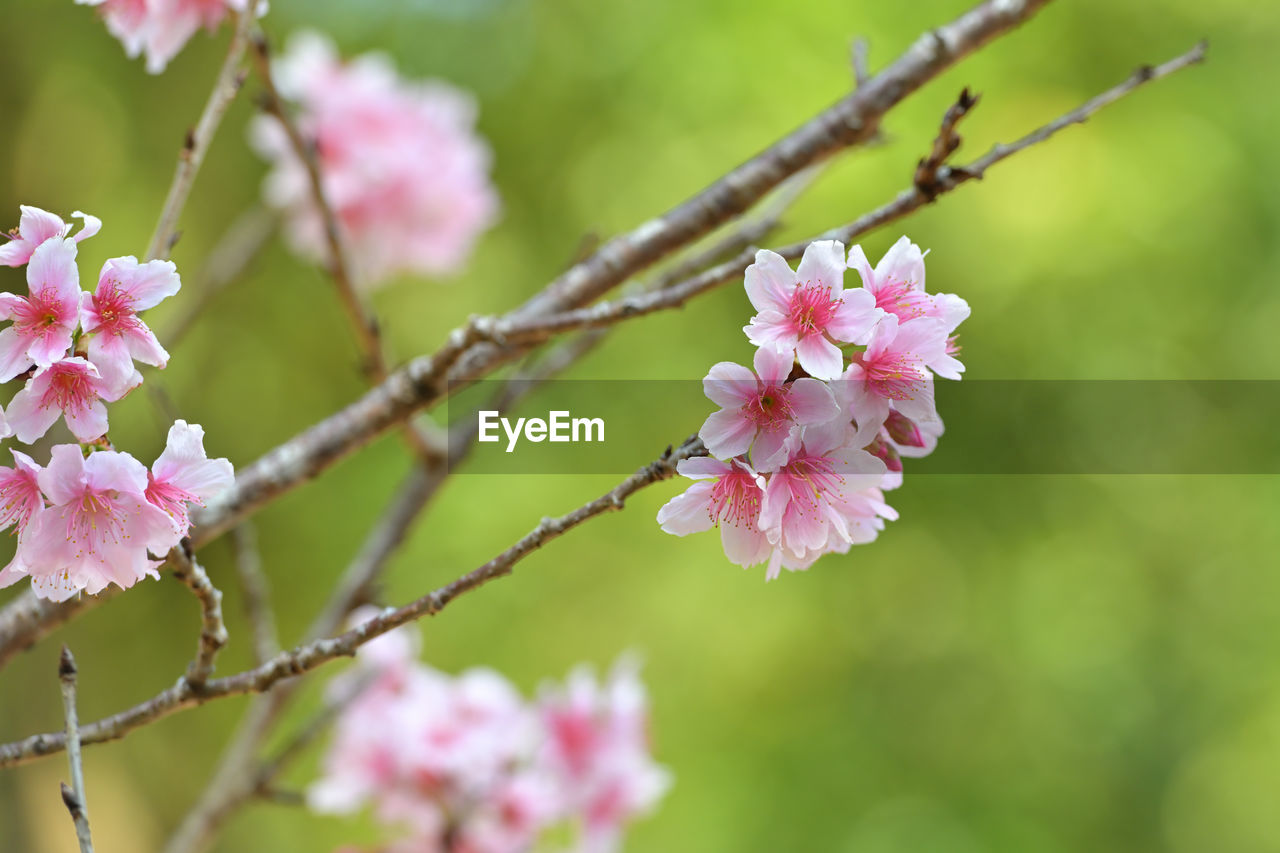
column 228, row 83
column 944, row 144
column 213, row 631
column 73, row 797
column 422, row 381
column 311, row 655
column 946, row 179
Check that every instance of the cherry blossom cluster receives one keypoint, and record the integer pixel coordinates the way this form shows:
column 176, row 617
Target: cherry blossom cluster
column 465, row 764
column 93, row 516
column 401, row 164
column 161, row 28
column 805, row 444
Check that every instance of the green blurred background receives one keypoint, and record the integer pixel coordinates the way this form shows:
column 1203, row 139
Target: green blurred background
column 1020, row 664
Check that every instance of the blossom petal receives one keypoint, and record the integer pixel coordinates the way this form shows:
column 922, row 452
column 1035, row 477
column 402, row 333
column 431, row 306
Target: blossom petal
column 688, row 512
column 812, row 401
column 702, row 468
column 185, row 464
column 87, row 422
column 727, row 433
column 53, row 268
column 820, row 358
column 729, row 385
column 13, row 354
column 92, row 225
column 823, row 263
column 773, row 364
column 855, row 317
column 903, row 262
column 63, row 479
column 770, row 282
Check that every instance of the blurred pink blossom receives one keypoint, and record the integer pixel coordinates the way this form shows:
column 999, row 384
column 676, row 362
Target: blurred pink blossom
column 401, row 164
column 161, row 28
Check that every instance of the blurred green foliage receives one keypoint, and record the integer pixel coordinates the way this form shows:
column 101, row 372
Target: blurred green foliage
column 1023, row 664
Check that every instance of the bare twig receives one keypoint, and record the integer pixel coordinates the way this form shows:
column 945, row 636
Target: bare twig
column 225, row 87
column 73, row 797
column 944, row 144
column 311, row 655
column 213, row 631
column 945, row 179
column 256, row 591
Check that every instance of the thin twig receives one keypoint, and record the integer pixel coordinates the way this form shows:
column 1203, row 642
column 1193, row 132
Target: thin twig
column 944, row 144
column 858, row 59
column 230, row 79
column 311, row 655
column 256, row 591
column 213, row 631
column 73, row 797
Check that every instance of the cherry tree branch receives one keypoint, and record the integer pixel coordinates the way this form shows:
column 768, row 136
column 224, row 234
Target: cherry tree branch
column 213, row 631
column 230, row 79
column 73, row 797
column 423, row 380
column 313, row 654
column 937, row 179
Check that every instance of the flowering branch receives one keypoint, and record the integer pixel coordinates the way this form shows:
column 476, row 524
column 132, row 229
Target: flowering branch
column 422, row 380
column 311, row 655
column 73, row 797
column 225, row 87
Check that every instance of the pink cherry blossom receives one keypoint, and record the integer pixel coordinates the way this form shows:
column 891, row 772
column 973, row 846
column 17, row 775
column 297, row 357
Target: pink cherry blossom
column 401, row 163
column 70, row 388
column 20, row 502
column 110, row 316
column 161, row 28
column 897, row 283
column 727, row 495
column 45, row 320
column 35, row 227
column 598, row 747
column 808, row 311
column 893, row 372
column 98, row 528
column 762, row 411
column 810, row 501
column 184, row 475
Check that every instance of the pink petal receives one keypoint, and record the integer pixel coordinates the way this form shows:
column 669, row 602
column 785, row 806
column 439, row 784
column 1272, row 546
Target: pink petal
column 824, row 263
column 110, row 355
column 729, row 385
column 919, row 406
column 92, row 225
column 185, row 464
column 855, row 317
column 744, row 545
column 13, row 354
column 820, row 358
column 769, row 328
column 903, row 262
column 727, row 433
column 15, row 253
column 147, row 284
column 53, row 268
column 772, row 447
column 773, row 364
column 688, row 512
column 27, row 418
column 702, row 468
column 50, row 347
column 812, row 401
column 63, row 479
column 118, row 471
column 770, row 282
column 87, row 422
column 38, row 225
column 858, row 261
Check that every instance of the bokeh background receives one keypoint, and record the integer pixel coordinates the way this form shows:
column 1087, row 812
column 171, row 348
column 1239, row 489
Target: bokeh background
column 1022, row 663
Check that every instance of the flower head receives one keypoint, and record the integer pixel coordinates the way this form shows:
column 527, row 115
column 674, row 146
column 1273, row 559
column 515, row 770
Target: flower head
column 70, row 388
column 35, row 227
column 161, row 28
column 400, row 162
column 727, row 495
column 808, row 311
column 44, row 321
column 762, row 411
column 184, row 475
column 893, row 372
column 98, row 528
column 110, row 316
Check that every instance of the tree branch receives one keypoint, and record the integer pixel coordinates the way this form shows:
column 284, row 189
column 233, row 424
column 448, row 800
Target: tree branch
column 73, row 797
column 311, row 655
column 225, row 87
column 213, row 631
